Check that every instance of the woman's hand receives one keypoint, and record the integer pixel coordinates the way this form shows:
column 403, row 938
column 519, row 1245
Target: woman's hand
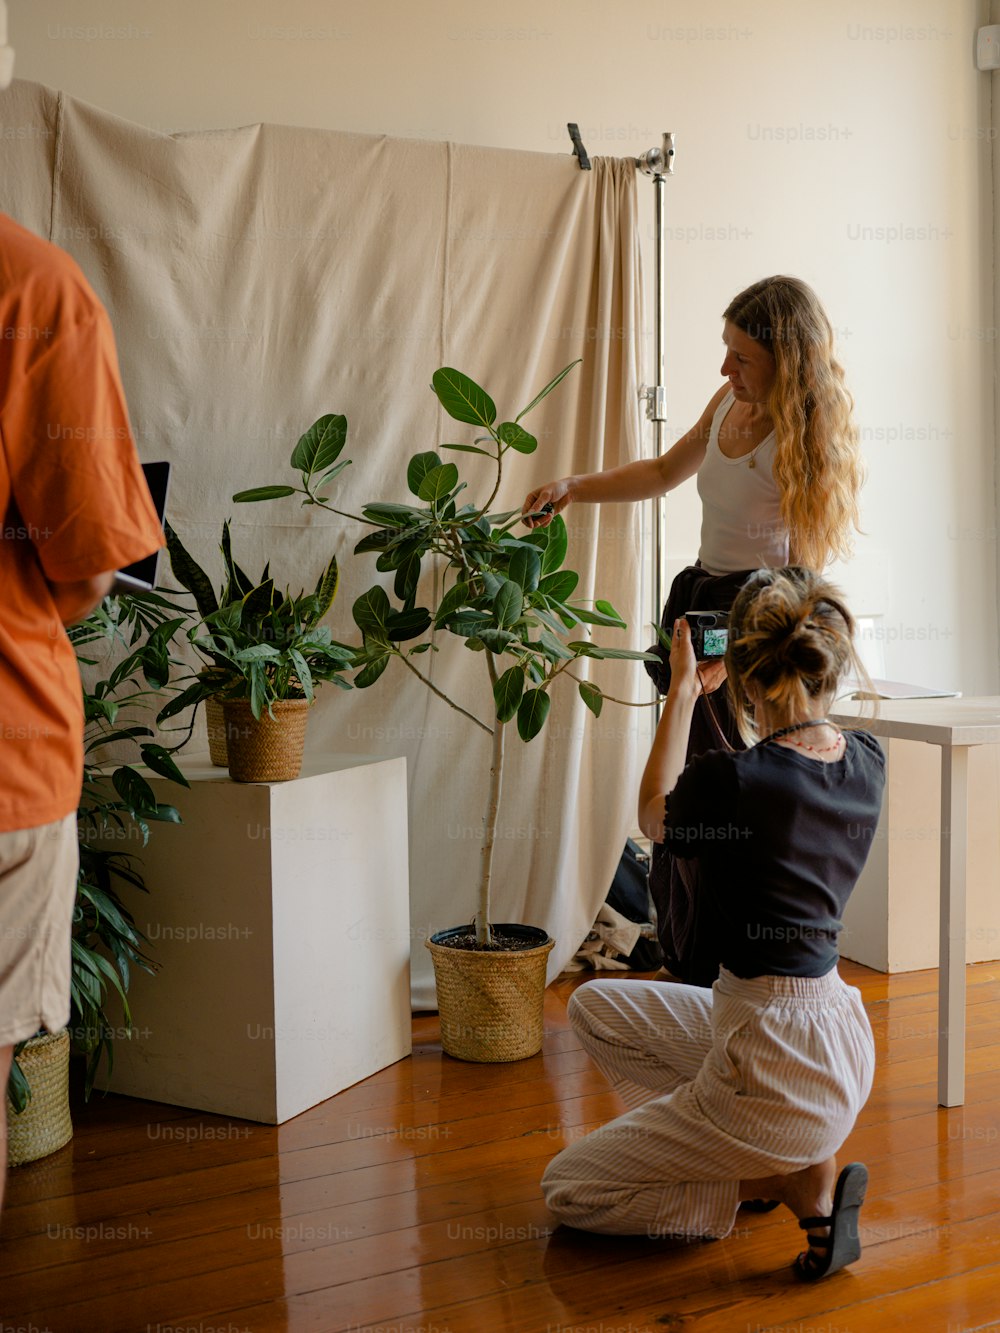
column 684, row 676
column 690, row 676
column 555, row 495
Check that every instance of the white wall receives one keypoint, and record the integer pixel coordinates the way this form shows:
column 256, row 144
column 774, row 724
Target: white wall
column 848, row 144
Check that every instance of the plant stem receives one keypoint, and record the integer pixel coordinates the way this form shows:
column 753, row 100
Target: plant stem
column 434, row 690
column 483, row 933
column 499, row 460
column 626, row 703
column 323, row 504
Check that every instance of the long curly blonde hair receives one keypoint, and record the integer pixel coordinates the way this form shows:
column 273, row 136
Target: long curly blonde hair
column 817, row 459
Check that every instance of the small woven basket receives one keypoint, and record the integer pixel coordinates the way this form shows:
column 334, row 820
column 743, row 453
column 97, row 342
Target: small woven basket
column 44, row 1125
column 215, row 723
column 491, row 1003
column 265, row 749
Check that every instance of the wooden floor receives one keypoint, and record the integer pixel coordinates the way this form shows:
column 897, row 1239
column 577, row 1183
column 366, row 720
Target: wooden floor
column 410, row 1204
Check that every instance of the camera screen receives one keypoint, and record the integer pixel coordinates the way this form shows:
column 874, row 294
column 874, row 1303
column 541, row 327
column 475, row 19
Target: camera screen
column 715, row 642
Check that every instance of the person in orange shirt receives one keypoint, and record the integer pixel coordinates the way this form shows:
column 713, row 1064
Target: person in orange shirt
column 74, row 508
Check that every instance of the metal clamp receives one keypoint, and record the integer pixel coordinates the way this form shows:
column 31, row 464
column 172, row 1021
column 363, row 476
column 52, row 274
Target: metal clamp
column 578, row 148
column 658, row 161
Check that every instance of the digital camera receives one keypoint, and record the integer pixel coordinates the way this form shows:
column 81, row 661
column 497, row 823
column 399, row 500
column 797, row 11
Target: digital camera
column 709, row 633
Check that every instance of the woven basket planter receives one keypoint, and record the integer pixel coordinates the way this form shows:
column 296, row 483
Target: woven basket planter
column 215, row 724
column 491, row 1003
column 44, row 1125
column 265, row 749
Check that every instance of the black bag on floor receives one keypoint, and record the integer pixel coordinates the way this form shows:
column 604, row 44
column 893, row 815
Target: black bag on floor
column 629, row 895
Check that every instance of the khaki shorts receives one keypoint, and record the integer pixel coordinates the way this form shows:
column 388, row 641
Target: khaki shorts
column 38, row 871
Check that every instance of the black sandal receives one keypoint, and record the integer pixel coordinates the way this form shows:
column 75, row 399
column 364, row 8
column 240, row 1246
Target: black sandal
column 843, row 1245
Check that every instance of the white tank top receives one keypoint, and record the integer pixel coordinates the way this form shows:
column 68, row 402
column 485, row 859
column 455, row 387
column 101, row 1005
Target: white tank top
column 741, row 526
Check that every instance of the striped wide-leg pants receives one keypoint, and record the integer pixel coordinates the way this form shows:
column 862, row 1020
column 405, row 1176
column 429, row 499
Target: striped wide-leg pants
column 753, row 1078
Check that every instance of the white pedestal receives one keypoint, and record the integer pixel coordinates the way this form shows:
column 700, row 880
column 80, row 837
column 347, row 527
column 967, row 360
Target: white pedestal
column 279, row 916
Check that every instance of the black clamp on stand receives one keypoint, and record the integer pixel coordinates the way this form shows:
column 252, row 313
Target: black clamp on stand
column 578, row 149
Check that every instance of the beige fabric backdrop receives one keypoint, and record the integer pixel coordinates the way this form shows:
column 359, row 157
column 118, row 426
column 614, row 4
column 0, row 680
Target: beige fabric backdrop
column 259, row 277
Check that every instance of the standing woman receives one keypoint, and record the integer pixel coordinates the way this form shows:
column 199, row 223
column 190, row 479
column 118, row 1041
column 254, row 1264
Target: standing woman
column 779, row 471
column 746, row 1092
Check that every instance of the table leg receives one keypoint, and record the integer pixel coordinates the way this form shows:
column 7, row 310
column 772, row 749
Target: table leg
column 952, row 951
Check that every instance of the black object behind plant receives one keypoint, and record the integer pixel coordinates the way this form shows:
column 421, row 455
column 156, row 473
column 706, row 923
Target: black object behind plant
column 629, row 896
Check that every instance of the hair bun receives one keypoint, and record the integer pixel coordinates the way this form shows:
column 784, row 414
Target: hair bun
column 805, row 650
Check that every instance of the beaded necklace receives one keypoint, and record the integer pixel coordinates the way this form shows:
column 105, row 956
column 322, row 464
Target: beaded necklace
column 800, row 726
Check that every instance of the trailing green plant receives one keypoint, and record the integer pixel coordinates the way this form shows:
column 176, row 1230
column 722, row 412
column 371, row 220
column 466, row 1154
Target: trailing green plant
column 116, row 803
column 506, row 596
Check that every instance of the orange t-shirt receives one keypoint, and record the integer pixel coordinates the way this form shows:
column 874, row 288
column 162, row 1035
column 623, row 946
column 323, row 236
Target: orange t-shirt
column 73, row 504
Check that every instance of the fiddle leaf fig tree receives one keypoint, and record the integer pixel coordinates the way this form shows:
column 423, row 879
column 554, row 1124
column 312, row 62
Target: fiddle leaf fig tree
column 504, row 594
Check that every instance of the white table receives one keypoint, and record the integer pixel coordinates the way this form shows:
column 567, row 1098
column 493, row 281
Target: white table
column 954, row 725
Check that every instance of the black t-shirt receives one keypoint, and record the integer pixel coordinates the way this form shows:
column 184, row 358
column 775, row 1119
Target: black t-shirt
column 781, row 839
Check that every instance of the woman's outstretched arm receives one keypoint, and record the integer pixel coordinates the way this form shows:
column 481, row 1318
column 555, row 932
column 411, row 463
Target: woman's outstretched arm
column 633, row 481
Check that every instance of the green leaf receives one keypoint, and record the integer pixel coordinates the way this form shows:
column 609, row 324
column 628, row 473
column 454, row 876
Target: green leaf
column 263, row 493
column 134, row 790
column 606, row 609
column 258, row 689
column 438, row 482
column 516, row 437
column 326, row 588
column 371, row 610
column 166, row 814
column 548, row 389
column 257, row 652
column 420, row 465
column 319, row 448
column 531, row 714
column 600, row 617
column 468, row 449
column 467, row 624
column 335, row 471
column 556, row 546
column 507, row 692
column 555, row 648
column 159, row 760
column 583, row 648
column 560, row 585
column 455, row 598
column 302, row 671
column 592, row 697
column 508, row 604
column 376, row 541
column 18, row 1088
column 496, row 640
column 407, row 577
column 189, row 574
column 408, row 624
column 180, row 702
column 525, row 568
column 371, row 672
column 237, row 583
column 391, row 515
column 462, row 398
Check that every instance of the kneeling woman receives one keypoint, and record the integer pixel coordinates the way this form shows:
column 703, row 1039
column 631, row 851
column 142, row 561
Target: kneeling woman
column 747, row 1091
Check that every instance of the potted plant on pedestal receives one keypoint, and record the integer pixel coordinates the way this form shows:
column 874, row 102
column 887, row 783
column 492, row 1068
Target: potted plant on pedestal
column 509, row 599
column 265, row 652
column 272, row 653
